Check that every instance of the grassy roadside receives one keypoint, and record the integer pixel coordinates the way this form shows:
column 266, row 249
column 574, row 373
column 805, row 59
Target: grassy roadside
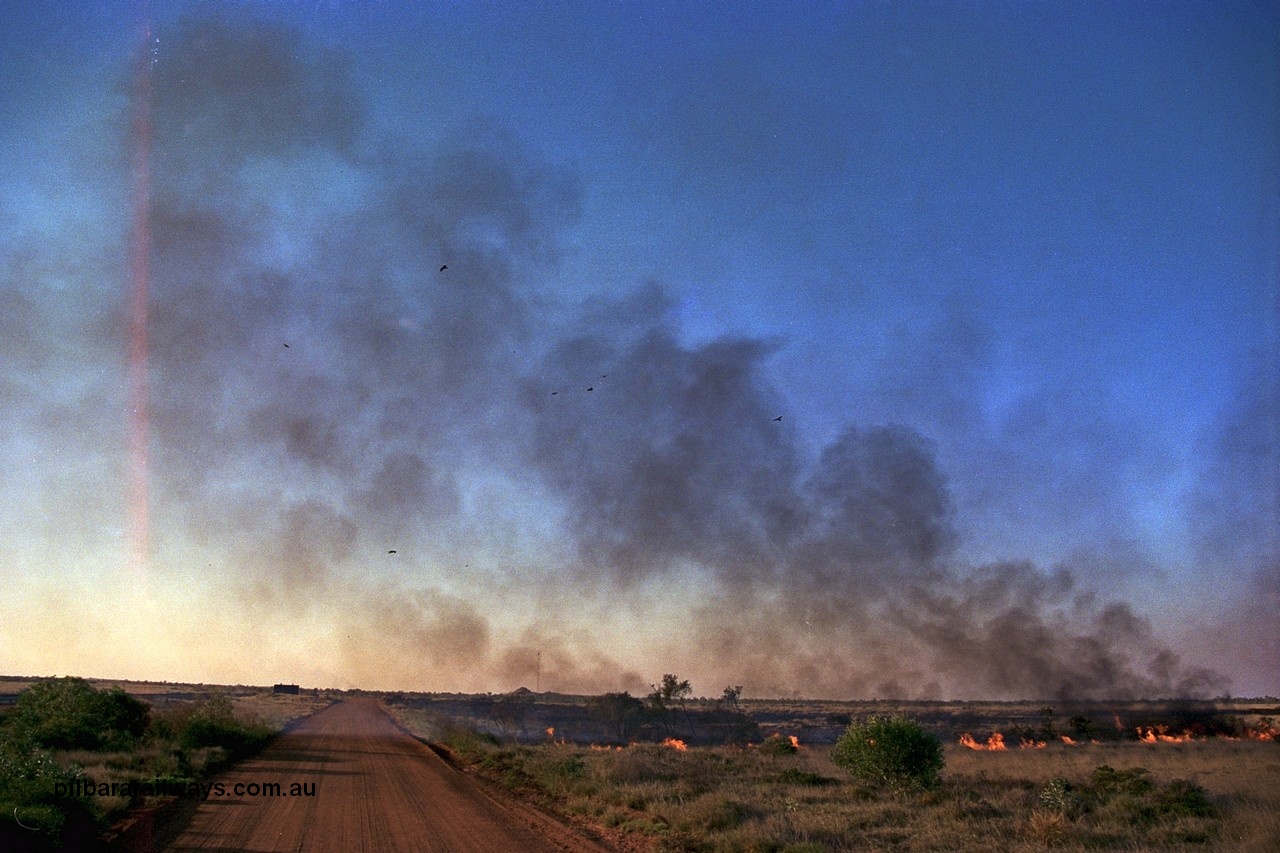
column 1214, row 795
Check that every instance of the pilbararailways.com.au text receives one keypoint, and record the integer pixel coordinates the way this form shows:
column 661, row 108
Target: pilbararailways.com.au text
column 179, row 788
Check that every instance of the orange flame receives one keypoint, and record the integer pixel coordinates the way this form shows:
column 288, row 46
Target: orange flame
column 677, row 745
column 995, row 743
column 1158, row 735
column 1264, row 731
column 1031, row 744
column 795, row 741
column 551, row 732
column 1068, row 741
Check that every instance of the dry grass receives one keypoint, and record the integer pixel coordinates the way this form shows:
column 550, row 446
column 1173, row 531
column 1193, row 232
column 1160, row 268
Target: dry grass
column 732, row 798
column 1241, row 778
column 277, row 710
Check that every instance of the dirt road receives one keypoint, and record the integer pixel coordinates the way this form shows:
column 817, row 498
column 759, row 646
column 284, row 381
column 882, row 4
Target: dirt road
column 375, row 789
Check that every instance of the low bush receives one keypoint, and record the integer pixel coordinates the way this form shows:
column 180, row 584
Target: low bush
column 1107, row 782
column 63, row 730
column 213, row 724
column 894, row 752
column 1059, row 797
column 70, row 713
column 39, row 807
column 1183, row 797
column 776, row 744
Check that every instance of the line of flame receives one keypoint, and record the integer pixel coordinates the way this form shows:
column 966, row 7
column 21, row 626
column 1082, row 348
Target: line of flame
column 995, row 743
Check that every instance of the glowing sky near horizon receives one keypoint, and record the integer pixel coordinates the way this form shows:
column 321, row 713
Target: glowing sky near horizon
column 1007, row 272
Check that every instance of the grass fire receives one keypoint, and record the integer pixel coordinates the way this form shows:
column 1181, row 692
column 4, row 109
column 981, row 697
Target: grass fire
column 730, row 773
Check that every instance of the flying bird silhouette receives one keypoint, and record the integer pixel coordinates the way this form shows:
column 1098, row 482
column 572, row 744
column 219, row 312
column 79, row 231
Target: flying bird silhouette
column 443, row 267
column 778, row 418
column 286, row 346
column 391, row 552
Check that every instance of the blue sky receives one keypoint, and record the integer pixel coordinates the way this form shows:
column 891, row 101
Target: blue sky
column 1006, row 272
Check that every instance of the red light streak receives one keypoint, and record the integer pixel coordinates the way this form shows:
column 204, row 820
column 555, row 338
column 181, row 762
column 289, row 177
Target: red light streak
column 139, row 274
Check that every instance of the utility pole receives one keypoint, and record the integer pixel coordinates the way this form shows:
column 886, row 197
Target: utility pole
column 537, row 680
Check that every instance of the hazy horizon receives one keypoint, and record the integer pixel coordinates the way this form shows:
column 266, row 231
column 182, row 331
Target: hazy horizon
column 896, row 350
column 710, row 696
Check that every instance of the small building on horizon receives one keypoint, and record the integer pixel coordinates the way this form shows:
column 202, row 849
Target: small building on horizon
column 291, row 689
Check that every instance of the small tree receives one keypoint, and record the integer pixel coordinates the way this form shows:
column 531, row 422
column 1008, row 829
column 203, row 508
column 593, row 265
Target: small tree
column 670, row 690
column 663, row 698
column 511, row 713
column 619, row 711
column 1047, row 731
column 731, row 696
column 123, row 716
column 1081, row 726
column 890, row 751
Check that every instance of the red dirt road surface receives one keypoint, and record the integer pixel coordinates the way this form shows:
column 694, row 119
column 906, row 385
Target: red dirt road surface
column 376, row 789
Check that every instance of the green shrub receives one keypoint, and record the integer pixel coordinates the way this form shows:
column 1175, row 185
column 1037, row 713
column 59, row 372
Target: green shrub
column 33, row 810
column 1059, row 797
column 124, row 718
column 1130, row 793
column 69, row 713
column 776, row 744
column 890, row 751
column 1183, row 797
column 1107, row 782
column 213, row 723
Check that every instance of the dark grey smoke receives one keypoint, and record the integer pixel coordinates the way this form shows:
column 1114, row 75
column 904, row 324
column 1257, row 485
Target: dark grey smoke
column 672, row 455
column 675, row 458
column 324, row 342
column 277, row 220
column 1017, row 631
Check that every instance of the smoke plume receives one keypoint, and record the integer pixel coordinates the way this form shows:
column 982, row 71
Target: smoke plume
column 359, row 357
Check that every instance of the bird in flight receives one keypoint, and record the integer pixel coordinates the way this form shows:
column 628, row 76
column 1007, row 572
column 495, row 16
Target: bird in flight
column 778, row 418
column 443, row 267
column 286, row 346
column 391, row 552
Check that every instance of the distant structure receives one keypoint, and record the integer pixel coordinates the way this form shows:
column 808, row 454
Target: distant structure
column 291, row 689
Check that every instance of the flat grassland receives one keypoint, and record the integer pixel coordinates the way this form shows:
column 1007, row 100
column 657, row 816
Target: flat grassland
column 727, row 778
column 1211, row 793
